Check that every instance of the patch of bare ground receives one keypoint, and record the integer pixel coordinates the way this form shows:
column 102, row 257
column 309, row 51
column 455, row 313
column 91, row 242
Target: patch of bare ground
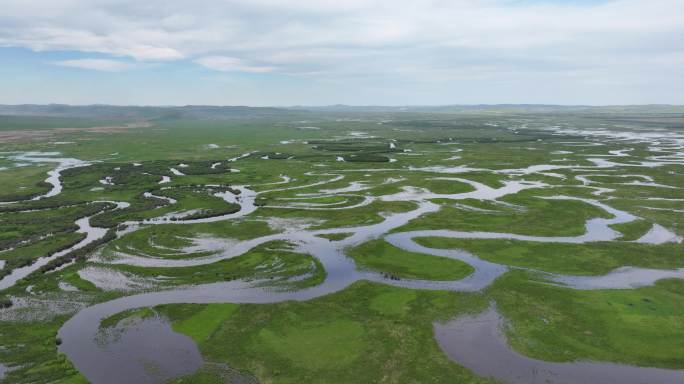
column 19, row 135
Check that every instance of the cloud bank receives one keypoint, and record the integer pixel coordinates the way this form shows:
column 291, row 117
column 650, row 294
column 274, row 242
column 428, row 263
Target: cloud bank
column 95, row 64
column 416, row 45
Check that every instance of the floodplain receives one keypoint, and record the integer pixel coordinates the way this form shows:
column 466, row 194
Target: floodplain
column 266, row 245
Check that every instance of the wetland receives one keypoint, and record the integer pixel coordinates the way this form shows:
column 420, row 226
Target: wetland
column 384, row 246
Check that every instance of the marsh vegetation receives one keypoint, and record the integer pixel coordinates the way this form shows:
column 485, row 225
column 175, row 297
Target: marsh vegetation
column 292, row 255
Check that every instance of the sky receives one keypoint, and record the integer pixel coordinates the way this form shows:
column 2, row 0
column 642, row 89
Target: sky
column 356, row 52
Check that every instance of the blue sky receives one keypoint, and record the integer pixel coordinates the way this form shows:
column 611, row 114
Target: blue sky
column 360, row 52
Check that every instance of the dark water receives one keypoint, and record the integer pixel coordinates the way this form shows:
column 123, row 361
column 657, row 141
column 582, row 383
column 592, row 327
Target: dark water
column 99, row 365
column 147, row 350
column 478, row 343
column 151, row 352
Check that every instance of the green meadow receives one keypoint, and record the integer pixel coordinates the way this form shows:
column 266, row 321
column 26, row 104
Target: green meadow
column 165, row 197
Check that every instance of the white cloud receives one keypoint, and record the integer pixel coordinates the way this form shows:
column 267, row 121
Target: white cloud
column 426, row 32
column 95, row 64
column 411, row 43
column 230, row 64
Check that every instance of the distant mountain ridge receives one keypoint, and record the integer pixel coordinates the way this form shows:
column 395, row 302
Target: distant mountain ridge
column 237, row 112
column 531, row 108
column 142, row 112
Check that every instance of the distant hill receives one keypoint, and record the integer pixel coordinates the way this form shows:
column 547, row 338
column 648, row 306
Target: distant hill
column 205, row 112
column 509, row 108
column 112, row 112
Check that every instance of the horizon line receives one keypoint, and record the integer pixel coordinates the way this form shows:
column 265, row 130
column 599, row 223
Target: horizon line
column 342, row 105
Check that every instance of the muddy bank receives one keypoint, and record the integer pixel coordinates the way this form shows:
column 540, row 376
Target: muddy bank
column 41, row 134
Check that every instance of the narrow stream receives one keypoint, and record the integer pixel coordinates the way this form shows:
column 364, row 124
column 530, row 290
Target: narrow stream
column 94, row 361
column 63, row 163
column 131, row 359
column 92, row 234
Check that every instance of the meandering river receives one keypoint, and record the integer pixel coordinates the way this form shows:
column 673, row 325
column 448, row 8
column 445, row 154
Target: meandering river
column 129, row 358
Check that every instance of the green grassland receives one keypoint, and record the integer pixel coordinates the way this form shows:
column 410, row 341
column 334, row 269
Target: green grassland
column 23, row 183
column 272, row 260
column 577, row 259
column 34, row 342
column 381, row 256
column 537, row 217
column 639, row 326
column 367, row 332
